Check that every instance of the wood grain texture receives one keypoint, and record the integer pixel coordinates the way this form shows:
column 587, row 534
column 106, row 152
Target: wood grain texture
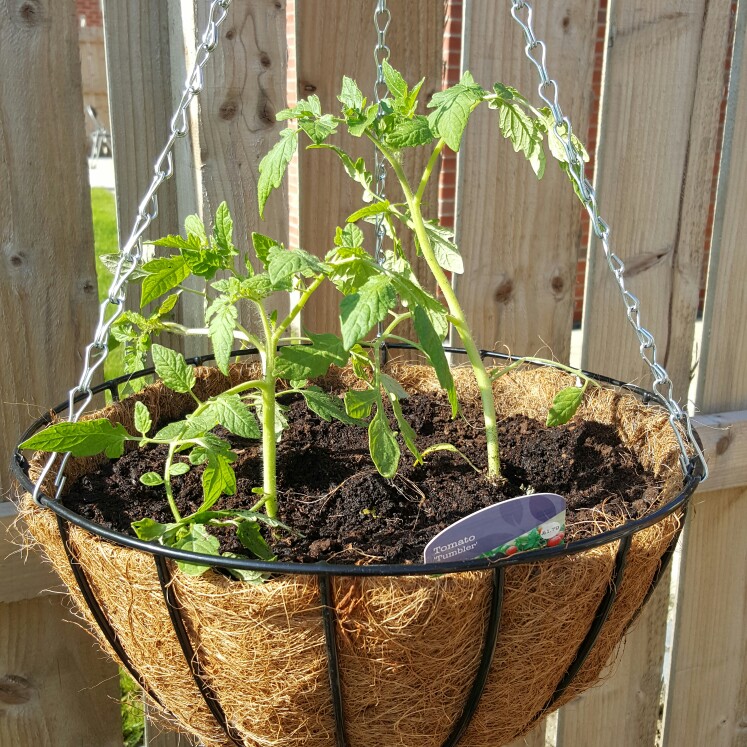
column 535, row 738
column 334, row 39
column 520, row 237
column 651, row 191
column 708, row 692
column 724, row 438
column 47, row 281
column 22, row 575
column 56, row 688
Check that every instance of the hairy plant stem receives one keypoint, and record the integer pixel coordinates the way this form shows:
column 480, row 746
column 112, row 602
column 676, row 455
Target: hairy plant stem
column 459, row 319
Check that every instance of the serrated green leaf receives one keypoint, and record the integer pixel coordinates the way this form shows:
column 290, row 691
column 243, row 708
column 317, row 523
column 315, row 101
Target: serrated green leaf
column 217, row 479
column 452, row 109
column 356, row 170
column 382, row 442
column 257, row 287
column 250, row 536
column 358, row 404
column 556, row 143
column 198, row 540
column 222, row 316
column 375, row 208
column 320, row 129
column 565, row 405
column 167, row 305
column 431, row 343
column 84, row 438
column 250, row 577
column 393, row 387
column 234, row 415
column 183, row 430
column 223, row 230
column 172, row 369
column 284, row 263
column 310, row 361
column 143, row 422
column 179, row 468
column 446, row 251
column 359, row 123
column 177, row 242
column 111, row 262
column 394, row 82
column 151, row 479
column 350, row 95
column 163, row 275
column 350, row 237
column 327, row 406
column 360, row 311
column 405, row 429
column 410, row 133
column 194, row 226
column 262, row 245
column 272, row 167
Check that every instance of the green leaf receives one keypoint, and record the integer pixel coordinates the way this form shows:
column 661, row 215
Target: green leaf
column 177, row 242
column 360, row 311
column 262, row 245
column 148, row 529
column 320, row 129
column 382, row 442
column 431, row 342
column 194, row 226
column 183, row 430
column 554, row 141
column 356, row 170
column 143, row 422
column 410, row 133
column 111, row 262
column 223, row 230
column 446, row 251
column 327, row 406
column 250, row 577
column 251, row 538
column 350, row 96
column 350, row 237
column 375, row 208
column 393, row 387
column 310, row 361
column 163, row 275
column 180, row 468
column 167, row 306
column 151, row 479
column 272, row 167
column 173, row 369
column 85, row 438
column 197, row 540
column 359, row 123
column 284, row 263
column 217, row 479
column 257, row 287
column 453, row 108
column 449, row 447
column 564, row 405
column 222, row 316
column 358, row 404
column 406, row 431
column 394, row 82
column 234, row 415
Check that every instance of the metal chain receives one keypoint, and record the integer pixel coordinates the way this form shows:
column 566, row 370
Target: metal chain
column 132, row 251
column 547, row 89
column 382, row 19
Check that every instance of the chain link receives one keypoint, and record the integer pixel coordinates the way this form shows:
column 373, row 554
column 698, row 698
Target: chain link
column 382, row 19
column 132, row 251
column 547, row 89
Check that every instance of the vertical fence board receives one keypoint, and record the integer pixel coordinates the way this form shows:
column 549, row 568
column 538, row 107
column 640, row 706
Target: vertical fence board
column 520, row 237
column 535, row 738
column 654, row 187
column 708, row 691
column 334, row 39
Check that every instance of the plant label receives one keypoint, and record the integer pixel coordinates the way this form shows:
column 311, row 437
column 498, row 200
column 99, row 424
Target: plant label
column 527, row 522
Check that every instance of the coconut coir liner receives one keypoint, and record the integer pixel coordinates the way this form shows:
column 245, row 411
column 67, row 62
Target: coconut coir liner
column 408, row 647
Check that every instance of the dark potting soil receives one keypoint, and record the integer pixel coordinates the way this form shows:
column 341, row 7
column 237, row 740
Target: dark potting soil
column 347, row 513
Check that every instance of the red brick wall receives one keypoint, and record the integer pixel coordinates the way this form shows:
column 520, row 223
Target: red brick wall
column 89, row 11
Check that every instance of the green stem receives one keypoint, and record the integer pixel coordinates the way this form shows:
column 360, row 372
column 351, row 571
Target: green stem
column 167, row 483
column 432, row 161
column 529, row 359
column 305, row 296
column 269, row 444
column 460, row 320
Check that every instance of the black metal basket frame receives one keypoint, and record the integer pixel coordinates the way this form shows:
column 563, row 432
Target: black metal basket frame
column 325, row 571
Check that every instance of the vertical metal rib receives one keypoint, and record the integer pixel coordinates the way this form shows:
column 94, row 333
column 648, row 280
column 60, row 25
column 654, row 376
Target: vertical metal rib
column 164, row 577
column 330, row 638
column 488, row 651
column 599, row 619
column 98, row 614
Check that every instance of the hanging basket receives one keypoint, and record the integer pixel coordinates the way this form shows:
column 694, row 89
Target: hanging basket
column 414, row 655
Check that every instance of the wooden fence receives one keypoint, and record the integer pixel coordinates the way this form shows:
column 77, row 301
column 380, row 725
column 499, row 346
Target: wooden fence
column 666, row 68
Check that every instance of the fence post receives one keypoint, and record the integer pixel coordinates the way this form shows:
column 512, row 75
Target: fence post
column 56, row 689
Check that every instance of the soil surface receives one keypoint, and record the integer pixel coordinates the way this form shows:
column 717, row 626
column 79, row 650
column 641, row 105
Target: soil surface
column 347, row 513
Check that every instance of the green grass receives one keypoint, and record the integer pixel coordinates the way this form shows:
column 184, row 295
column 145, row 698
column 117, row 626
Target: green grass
column 106, row 242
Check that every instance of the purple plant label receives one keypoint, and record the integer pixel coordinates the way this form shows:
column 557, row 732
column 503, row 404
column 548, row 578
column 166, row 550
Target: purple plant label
column 527, row 522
